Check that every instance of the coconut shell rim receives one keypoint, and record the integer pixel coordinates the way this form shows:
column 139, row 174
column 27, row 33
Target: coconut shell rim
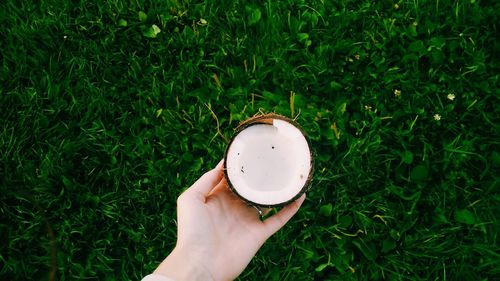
column 255, row 121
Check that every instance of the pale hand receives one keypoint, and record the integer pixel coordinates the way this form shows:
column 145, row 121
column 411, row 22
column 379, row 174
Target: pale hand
column 218, row 233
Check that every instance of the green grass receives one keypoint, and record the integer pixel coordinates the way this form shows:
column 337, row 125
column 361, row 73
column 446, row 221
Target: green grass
column 104, row 122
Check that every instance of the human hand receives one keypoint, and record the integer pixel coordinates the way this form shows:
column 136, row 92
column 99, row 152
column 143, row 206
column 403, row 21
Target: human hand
column 218, row 233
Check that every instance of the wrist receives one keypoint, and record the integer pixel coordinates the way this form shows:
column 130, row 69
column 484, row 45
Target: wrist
column 180, row 265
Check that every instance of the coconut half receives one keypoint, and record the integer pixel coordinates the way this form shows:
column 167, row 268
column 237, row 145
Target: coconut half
column 268, row 162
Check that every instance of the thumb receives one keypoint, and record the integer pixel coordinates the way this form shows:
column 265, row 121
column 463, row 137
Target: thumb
column 208, row 181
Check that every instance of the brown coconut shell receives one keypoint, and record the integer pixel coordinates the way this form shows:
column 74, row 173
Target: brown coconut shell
column 268, row 119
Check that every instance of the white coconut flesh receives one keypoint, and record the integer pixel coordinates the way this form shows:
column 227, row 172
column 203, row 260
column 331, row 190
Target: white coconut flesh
column 269, row 164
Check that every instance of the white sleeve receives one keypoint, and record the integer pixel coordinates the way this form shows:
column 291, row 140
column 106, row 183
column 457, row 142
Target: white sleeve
column 156, row 277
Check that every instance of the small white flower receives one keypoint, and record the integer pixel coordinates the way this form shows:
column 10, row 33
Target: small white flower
column 368, row 108
column 65, row 36
column 437, row 117
column 397, row 93
column 450, row 96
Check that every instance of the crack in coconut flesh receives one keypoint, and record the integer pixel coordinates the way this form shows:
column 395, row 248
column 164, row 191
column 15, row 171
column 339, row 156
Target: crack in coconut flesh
column 269, row 162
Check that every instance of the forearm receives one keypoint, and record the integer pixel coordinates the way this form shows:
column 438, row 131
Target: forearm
column 180, row 266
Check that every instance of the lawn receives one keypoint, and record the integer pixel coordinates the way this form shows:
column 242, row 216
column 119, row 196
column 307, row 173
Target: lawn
column 110, row 109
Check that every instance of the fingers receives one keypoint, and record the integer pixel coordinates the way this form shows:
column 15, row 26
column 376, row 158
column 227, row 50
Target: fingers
column 208, row 181
column 277, row 221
